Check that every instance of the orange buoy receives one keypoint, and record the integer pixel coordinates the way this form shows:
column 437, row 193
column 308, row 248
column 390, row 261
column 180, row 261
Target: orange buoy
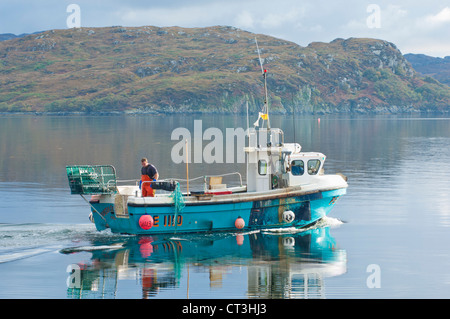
column 239, row 223
column 146, row 222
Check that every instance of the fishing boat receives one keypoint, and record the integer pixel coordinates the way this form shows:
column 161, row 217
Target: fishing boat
column 284, row 188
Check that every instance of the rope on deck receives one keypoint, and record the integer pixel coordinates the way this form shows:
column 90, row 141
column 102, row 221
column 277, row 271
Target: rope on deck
column 178, row 199
column 178, row 202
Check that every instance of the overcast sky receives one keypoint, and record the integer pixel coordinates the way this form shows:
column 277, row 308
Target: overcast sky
column 415, row 26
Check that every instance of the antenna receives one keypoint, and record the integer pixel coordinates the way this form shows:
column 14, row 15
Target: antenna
column 293, row 115
column 266, row 98
column 259, row 56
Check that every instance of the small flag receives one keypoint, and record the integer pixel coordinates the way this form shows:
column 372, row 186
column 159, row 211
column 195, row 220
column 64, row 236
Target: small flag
column 263, row 116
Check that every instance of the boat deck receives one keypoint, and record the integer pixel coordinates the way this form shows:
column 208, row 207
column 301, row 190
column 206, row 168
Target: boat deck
column 231, row 194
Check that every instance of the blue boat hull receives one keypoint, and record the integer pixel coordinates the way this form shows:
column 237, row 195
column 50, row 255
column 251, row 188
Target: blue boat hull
column 218, row 216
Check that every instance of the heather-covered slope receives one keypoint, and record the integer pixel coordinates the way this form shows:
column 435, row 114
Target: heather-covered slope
column 437, row 68
column 213, row 69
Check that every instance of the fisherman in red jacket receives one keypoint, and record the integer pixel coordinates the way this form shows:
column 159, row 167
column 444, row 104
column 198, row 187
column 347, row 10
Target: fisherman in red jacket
column 149, row 173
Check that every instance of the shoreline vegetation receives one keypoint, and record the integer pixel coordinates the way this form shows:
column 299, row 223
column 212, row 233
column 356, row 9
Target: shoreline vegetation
column 213, row 70
column 394, row 111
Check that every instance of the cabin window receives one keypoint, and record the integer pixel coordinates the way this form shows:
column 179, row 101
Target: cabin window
column 262, row 167
column 313, row 166
column 297, row 167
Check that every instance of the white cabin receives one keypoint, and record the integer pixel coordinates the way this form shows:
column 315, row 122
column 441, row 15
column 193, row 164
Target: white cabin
column 272, row 164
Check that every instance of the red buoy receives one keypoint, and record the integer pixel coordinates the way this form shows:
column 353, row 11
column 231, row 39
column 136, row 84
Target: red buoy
column 146, row 222
column 239, row 223
column 240, row 239
column 145, row 246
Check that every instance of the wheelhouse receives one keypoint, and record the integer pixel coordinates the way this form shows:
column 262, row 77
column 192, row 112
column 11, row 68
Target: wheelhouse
column 274, row 164
column 304, row 168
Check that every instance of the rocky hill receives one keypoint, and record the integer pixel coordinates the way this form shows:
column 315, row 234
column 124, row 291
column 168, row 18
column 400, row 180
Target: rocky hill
column 215, row 69
column 437, row 68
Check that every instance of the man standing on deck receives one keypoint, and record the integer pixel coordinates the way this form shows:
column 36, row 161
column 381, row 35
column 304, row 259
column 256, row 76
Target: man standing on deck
column 148, row 173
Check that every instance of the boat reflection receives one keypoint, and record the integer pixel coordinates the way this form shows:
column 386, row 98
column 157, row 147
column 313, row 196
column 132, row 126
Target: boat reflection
column 274, row 265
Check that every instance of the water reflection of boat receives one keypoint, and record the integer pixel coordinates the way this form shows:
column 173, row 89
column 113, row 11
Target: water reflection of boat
column 277, row 265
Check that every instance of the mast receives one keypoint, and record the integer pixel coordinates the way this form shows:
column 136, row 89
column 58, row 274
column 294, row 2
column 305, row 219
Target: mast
column 266, row 99
column 261, row 158
column 266, row 96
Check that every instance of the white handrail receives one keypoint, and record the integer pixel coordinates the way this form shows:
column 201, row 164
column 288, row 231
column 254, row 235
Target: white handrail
column 204, row 177
column 207, row 176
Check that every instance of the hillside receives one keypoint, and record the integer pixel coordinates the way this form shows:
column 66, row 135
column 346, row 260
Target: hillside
column 437, row 68
column 215, row 69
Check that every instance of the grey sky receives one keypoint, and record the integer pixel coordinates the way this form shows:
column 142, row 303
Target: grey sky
column 415, row 26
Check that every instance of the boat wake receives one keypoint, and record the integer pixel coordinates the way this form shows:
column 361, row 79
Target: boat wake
column 324, row 222
column 19, row 241
column 22, row 254
column 329, row 222
column 77, row 249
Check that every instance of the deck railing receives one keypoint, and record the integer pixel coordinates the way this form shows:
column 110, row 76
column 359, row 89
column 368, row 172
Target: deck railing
column 183, row 182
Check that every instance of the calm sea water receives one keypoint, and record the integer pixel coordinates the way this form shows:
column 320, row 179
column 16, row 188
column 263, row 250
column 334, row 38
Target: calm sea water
column 387, row 238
